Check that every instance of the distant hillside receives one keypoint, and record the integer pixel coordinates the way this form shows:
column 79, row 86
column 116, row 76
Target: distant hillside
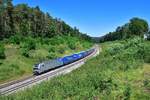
column 96, row 39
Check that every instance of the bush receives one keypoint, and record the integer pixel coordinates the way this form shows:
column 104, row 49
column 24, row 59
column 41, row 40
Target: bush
column 51, row 48
column 115, row 48
column 72, row 45
column 146, row 82
column 146, row 52
column 57, row 40
column 52, row 55
column 15, row 39
column 2, row 51
column 127, row 92
column 61, row 49
column 29, row 43
column 25, row 52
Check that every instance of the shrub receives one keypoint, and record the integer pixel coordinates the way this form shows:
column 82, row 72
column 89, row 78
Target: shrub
column 15, row 39
column 57, row 40
column 115, row 48
column 27, row 45
column 146, row 83
column 51, row 48
column 25, row 52
column 52, row 55
column 146, row 52
column 127, row 92
column 30, row 44
column 14, row 66
column 61, row 49
column 2, row 53
column 72, row 45
column 45, row 41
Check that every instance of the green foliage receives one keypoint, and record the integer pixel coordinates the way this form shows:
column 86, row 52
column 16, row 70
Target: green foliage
column 57, row 40
column 116, row 48
column 72, row 45
column 28, row 44
column 111, row 74
column 2, row 51
column 32, row 22
column 127, row 92
column 15, row 39
column 146, row 52
column 10, row 70
column 146, row 83
column 51, row 48
column 25, row 52
column 61, row 49
column 148, row 35
column 52, row 55
column 136, row 27
column 135, row 48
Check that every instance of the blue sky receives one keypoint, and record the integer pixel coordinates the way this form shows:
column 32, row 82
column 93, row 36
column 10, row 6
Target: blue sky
column 95, row 17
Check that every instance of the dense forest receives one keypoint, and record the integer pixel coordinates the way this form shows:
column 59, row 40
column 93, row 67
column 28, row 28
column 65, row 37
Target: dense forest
column 135, row 27
column 23, row 20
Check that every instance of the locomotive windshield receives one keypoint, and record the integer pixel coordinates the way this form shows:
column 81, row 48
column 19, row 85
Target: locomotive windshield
column 36, row 65
column 35, row 68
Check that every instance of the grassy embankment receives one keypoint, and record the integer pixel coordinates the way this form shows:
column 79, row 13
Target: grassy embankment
column 22, row 53
column 121, row 71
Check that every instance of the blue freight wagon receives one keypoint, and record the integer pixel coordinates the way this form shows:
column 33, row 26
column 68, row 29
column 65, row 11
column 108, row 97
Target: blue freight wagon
column 68, row 59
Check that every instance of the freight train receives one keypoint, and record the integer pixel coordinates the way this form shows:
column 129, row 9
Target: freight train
column 59, row 62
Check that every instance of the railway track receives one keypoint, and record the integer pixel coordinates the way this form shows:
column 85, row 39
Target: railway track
column 15, row 86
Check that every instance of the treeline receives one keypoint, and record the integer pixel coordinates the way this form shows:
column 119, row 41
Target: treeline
column 135, row 27
column 24, row 20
